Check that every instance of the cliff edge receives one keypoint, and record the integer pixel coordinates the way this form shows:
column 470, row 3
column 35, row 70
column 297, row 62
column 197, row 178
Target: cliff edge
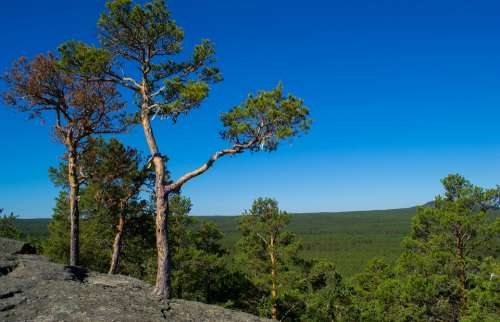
column 34, row 289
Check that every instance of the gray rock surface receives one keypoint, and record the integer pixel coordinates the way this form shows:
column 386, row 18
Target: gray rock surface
column 34, row 289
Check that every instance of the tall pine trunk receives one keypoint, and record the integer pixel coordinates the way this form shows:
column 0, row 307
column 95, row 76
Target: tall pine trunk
column 274, row 284
column 163, row 274
column 117, row 245
column 163, row 285
column 73, row 206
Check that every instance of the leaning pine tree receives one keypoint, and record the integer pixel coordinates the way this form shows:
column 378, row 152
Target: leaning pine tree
column 148, row 38
column 80, row 106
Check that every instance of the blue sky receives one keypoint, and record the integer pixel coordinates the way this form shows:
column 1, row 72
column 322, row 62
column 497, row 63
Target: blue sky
column 402, row 93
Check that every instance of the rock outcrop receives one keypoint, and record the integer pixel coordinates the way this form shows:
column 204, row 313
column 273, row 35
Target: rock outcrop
column 34, row 289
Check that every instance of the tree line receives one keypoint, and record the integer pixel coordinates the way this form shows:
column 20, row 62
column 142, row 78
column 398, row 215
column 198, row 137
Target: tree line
column 447, row 270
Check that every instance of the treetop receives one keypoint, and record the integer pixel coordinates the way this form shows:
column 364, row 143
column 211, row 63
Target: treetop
column 82, row 107
column 265, row 119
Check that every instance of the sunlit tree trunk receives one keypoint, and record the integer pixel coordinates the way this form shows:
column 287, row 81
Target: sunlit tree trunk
column 73, row 206
column 162, row 287
column 117, row 245
column 274, row 284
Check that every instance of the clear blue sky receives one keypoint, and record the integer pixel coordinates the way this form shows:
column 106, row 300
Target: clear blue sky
column 402, row 93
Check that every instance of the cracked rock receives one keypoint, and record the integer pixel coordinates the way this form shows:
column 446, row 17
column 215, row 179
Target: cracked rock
column 34, row 289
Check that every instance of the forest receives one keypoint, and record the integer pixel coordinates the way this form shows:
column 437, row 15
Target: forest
column 119, row 210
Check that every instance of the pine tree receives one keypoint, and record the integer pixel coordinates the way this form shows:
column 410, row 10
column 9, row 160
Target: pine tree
column 266, row 248
column 78, row 106
column 444, row 271
column 112, row 177
column 146, row 37
column 8, row 228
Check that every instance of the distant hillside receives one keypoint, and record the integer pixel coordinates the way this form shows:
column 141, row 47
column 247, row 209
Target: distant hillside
column 36, row 227
column 347, row 238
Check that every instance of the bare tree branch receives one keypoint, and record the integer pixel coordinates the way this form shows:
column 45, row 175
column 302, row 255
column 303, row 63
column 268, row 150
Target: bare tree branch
column 262, row 237
column 131, row 80
column 158, row 92
column 235, row 149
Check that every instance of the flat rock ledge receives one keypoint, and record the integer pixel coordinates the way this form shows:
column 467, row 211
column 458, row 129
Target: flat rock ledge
column 34, row 289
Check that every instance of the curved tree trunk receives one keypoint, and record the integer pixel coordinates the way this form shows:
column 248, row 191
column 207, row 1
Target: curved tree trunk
column 163, row 274
column 73, row 206
column 162, row 287
column 117, row 246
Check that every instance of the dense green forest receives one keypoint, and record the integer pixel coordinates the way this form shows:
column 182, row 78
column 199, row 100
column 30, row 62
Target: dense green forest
column 445, row 267
column 350, row 239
